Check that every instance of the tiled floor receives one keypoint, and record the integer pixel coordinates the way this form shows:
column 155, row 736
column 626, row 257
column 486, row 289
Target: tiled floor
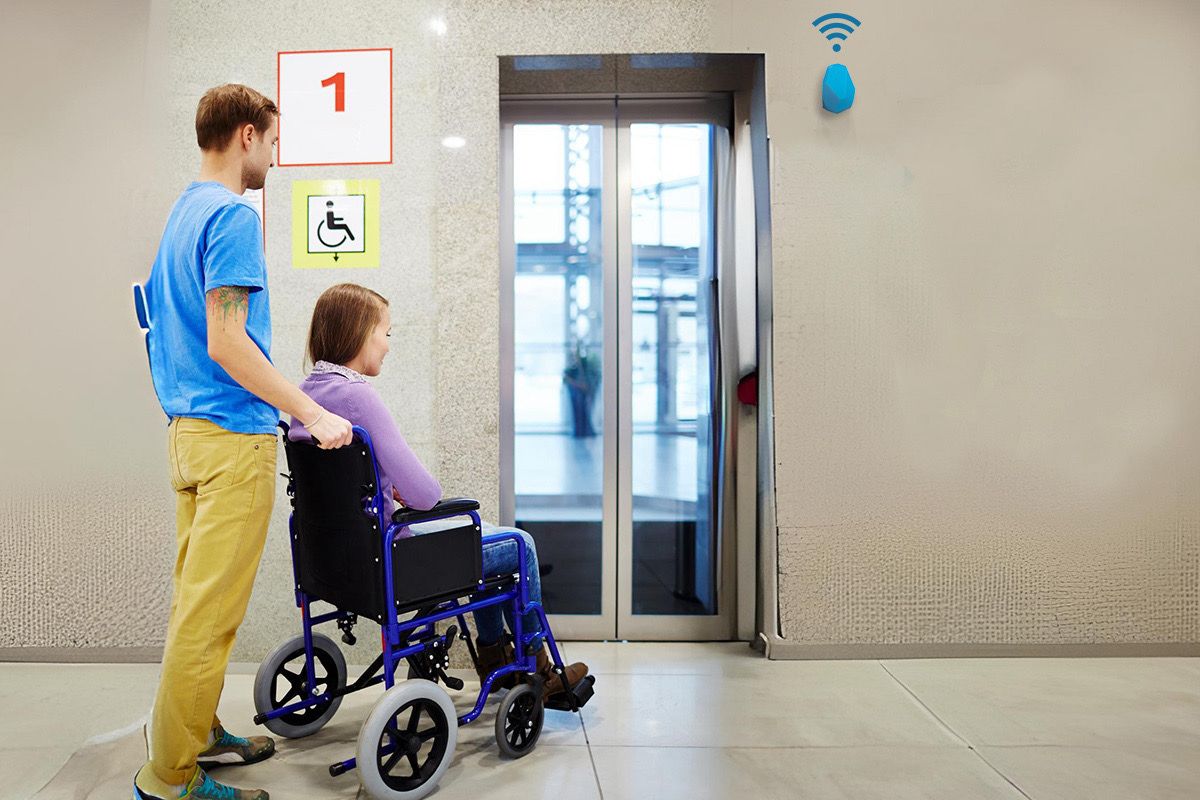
column 697, row 721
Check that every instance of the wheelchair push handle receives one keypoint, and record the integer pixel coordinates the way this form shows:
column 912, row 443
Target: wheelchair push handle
column 359, row 432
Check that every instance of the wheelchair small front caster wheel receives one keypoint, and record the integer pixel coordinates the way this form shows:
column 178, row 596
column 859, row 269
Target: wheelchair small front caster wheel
column 407, row 742
column 519, row 720
column 282, row 680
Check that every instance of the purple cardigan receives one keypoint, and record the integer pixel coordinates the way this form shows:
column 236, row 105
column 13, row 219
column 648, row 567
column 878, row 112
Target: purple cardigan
column 347, row 394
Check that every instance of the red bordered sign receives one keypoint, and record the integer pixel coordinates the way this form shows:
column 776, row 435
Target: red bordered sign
column 335, row 107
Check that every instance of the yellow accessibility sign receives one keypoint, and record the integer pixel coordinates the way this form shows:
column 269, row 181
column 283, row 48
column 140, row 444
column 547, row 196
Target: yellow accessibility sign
column 335, row 224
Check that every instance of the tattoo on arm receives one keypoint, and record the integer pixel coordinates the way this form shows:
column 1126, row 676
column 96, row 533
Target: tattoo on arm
column 229, row 301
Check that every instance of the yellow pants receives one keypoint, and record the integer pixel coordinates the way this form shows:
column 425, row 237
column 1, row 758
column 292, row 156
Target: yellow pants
column 224, row 489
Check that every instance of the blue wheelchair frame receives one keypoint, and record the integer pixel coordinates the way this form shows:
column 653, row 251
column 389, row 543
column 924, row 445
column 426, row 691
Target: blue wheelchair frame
column 397, row 636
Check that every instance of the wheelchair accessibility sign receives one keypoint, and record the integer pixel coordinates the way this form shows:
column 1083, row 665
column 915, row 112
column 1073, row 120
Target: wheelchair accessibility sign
column 332, row 221
column 335, row 224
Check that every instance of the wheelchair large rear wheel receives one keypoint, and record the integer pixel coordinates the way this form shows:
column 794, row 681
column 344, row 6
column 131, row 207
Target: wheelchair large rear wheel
column 281, row 680
column 519, row 720
column 407, row 742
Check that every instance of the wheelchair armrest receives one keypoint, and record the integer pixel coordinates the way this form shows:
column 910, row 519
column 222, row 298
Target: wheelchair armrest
column 451, row 507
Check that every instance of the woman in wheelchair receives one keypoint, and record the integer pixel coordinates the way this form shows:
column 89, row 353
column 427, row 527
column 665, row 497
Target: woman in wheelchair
column 347, row 343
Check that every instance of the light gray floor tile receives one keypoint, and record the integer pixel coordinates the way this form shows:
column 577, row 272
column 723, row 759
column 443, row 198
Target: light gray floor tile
column 52, row 709
column 25, row 770
column 1100, row 773
column 735, row 659
column 821, row 704
column 853, row 773
column 553, row 773
column 1091, row 702
column 61, row 704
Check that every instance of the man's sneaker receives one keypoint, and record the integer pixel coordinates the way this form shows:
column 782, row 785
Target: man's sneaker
column 230, row 750
column 202, row 787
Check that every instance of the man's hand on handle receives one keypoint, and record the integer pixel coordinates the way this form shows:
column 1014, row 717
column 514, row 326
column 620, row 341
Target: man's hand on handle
column 330, row 430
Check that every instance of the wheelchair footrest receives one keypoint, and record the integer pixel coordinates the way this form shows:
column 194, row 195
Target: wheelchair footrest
column 432, row 662
column 582, row 692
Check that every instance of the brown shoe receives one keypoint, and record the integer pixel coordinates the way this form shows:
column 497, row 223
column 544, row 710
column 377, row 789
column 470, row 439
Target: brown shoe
column 234, row 750
column 491, row 658
column 552, row 681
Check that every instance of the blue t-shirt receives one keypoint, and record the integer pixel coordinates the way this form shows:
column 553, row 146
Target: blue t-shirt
column 213, row 238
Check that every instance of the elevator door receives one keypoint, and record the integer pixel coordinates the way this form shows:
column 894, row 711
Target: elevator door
column 611, row 416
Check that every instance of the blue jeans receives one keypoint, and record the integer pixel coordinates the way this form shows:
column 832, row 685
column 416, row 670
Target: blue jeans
column 500, row 558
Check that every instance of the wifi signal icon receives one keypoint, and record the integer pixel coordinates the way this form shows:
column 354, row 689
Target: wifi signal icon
column 836, row 28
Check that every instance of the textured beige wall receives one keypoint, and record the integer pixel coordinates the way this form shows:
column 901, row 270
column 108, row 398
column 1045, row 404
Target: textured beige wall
column 85, row 508
column 985, row 325
column 985, row 284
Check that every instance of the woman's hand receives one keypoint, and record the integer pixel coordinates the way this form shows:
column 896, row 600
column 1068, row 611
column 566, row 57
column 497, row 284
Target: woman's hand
column 396, row 496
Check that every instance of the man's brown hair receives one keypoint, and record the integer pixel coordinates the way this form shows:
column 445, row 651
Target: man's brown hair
column 342, row 321
column 225, row 109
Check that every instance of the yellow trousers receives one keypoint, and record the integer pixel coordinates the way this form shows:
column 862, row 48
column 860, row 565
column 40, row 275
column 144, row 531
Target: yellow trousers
column 224, row 489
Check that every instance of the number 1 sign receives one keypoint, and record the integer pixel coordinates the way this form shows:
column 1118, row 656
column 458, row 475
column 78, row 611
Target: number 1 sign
column 335, row 107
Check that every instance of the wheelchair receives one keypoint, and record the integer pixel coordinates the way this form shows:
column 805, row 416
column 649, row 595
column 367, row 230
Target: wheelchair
column 347, row 555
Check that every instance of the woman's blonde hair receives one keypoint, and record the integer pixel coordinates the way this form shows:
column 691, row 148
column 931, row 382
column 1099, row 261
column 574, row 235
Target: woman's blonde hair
column 341, row 322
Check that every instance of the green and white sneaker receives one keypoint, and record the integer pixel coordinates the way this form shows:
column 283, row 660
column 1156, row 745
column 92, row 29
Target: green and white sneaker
column 230, row 750
column 202, row 787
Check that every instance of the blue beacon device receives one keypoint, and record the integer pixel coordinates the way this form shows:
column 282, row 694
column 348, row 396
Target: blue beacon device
column 837, row 90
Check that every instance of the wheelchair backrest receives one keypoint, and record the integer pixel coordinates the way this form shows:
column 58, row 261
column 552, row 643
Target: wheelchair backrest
column 337, row 524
